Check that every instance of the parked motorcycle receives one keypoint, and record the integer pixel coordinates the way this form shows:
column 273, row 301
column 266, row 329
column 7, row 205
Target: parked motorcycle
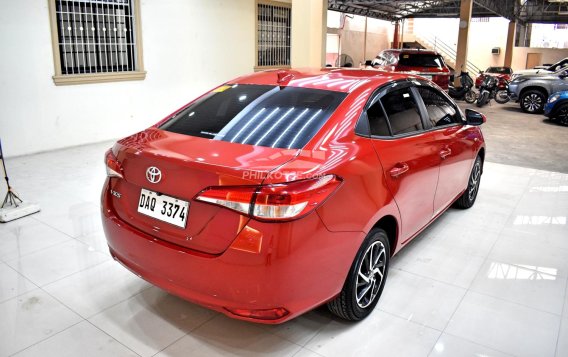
column 502, row 94
column 465, row 91
column 493, row 88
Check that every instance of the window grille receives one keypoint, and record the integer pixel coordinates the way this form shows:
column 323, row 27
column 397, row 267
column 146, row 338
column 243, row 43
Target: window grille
column 561, row 26
column 480, row 19
column 273, row 35
column 96, row 36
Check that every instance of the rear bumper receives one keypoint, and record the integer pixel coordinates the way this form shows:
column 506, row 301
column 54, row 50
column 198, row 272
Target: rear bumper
column 298, row 266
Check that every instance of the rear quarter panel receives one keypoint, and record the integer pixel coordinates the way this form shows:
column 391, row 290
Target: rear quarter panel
column 363, row 198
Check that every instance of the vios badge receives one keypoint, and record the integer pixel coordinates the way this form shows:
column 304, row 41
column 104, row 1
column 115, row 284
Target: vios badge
column 153, row 174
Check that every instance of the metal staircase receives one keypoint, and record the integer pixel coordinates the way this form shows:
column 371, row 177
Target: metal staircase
column 448, row 52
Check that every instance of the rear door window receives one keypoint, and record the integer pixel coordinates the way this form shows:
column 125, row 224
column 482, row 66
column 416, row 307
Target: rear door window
column 440, row 111
column 378, row 123
column 402, row 112
column 272, row 116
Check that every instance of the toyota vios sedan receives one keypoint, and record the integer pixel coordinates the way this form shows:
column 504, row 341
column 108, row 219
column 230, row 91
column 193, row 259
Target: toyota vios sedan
column 284, row 190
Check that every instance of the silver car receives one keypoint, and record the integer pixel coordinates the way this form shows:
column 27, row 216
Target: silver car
column 563, row 63
column 533, row 90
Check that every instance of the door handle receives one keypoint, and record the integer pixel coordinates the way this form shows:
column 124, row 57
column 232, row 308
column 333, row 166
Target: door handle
column 445, row 153
column 399, row 169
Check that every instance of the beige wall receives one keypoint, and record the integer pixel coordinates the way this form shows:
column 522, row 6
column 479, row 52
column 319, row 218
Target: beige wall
column 352, row 37
column 549, row 55
column 308, row 33
column 483, row 36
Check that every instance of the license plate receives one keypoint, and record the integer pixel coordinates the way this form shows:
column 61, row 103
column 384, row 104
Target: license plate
column 165, row 208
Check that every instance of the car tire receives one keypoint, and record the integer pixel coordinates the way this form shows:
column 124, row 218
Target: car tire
column 482, row 99
column 361, row 292
column 502, row 97
column 467, row 199
column 532, row 101
column 561, row 115
column 470, row 96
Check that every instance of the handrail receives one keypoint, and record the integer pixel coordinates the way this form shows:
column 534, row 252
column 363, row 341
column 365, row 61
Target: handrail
column 447, row 50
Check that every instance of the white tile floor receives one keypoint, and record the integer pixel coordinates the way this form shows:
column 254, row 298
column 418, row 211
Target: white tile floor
column 489, row 281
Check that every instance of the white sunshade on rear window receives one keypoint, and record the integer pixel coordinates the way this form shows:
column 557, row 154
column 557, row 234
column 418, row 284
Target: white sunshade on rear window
column 263, row 115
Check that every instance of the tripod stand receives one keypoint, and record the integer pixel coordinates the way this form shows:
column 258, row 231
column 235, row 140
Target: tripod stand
column 12, row 197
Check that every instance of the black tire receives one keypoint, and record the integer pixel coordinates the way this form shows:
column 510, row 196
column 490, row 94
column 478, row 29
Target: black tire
column 470, row 97
column 561, row 115
column 502, row 96
column 532, row 101
column 482, row 99
column 467, row 199
column 360, row 292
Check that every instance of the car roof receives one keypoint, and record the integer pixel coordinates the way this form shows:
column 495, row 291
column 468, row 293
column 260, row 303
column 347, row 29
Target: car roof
column 411, row 50
column 338, row 80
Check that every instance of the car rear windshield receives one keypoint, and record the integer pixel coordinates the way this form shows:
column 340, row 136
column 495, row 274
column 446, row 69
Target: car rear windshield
column 272, row 116
column 420, row 60
column 499, row 70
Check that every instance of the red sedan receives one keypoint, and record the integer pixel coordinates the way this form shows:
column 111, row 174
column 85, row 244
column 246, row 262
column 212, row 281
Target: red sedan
column 284, row 190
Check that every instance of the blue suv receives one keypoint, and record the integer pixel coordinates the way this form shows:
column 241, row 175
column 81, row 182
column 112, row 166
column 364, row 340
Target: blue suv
column 556, row 107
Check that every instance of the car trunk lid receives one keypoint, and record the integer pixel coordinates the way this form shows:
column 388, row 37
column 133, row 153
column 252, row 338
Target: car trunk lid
column 187, row 165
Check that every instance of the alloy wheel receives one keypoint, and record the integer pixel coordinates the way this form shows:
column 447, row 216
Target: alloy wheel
column 474, row 181
column 532, row 102
column 563, row 115
column 370, row 274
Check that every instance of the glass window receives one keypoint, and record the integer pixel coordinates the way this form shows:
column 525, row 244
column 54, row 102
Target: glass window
column 273, row 27
column 379, row 61
column 420, row 60
column 377, row 121
column 402, row 111
column 499, row 70
column 440, row 110
column 384, row 58
column 96, row 38
column 260, row 115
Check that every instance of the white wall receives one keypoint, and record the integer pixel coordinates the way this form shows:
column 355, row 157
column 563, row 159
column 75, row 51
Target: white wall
column 189, row 47
column 548, row 36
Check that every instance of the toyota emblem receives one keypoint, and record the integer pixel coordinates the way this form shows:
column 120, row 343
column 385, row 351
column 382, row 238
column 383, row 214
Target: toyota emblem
column 153, row 174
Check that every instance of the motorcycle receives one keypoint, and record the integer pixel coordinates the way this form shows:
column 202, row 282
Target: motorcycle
column 493, row 88
column 502, row 94
column 464, row 92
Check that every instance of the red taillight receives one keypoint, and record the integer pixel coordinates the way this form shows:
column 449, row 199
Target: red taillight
column 442, row 80
column 237, row 198
column 269, row 314
column 113, row 167
column 275, row 202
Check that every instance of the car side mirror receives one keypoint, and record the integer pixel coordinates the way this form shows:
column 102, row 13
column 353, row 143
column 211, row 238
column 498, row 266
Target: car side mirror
column 473, row 117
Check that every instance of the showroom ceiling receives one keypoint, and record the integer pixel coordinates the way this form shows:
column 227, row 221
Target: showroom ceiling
column 541, row 11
